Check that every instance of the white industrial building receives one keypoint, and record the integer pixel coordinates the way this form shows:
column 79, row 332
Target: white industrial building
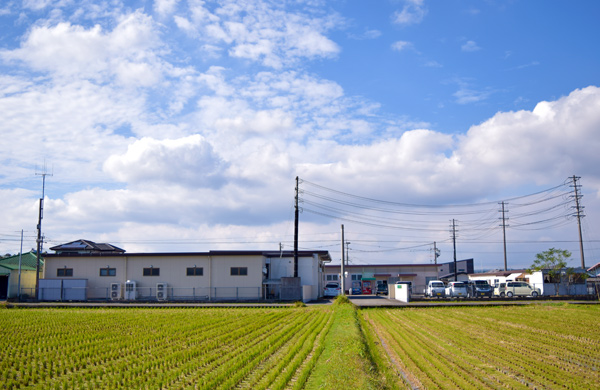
column 84, row 270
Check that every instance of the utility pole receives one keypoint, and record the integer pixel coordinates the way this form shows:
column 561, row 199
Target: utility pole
column 40, row 239
column 454, row 245
column 20, row 258
column 296, row 230
column 579, row 215
column 343, row 276
column 436, row 253
column 347, row 253
column 504, row 233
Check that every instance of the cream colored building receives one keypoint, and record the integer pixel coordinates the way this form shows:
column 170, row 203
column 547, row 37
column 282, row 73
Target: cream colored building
column 213, row 275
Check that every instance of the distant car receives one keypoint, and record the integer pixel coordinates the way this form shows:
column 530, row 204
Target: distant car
column 332, row 289
column 436, row 289
column 479, row 288
column 500, row 290
column 456, row 290
column 382, row 289
column 521, row 289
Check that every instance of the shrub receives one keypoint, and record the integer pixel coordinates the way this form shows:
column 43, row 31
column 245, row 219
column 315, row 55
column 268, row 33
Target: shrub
column 342, row 300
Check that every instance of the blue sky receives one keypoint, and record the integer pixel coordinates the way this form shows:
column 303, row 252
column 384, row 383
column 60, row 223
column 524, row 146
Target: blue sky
column 180, row 125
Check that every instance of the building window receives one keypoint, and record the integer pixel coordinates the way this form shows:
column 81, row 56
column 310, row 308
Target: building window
column 108, row 271
column 356, row 277
column 195, row 271
column 151, row 271
column 239, row 271
column 62, row 272
column 331, row 277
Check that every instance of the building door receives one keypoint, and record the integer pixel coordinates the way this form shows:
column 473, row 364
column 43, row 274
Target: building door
column 3, row 286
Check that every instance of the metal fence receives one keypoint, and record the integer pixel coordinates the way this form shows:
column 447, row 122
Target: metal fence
column 149, row 294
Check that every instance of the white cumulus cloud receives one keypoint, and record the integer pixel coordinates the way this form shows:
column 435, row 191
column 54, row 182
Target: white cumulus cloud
column 188, row 161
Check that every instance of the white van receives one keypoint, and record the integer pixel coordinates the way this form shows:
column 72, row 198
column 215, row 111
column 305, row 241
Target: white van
column 520, row 289
column 436, row 288
column 456, row 289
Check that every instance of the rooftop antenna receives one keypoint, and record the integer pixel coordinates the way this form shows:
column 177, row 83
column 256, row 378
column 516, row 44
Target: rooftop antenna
column 40, row 239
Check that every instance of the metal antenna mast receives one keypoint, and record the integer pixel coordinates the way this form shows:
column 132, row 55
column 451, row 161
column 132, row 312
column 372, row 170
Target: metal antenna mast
column 40, row 239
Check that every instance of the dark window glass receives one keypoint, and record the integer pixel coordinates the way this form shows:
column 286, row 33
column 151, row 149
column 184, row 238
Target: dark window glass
column 108, row 272
column 195, row 271
column 64, row 272
column 241, row 271
column 151, row 271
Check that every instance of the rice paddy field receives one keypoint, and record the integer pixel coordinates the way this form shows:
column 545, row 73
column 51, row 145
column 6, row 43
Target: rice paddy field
column 516, row 347
column 332, row 347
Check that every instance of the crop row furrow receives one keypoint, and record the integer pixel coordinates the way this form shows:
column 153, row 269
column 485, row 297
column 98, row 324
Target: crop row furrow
column 304, row 370
column 463, row 365
column 282, row 376
column 252, row 355
column 429, row 369
column 510, row 352
column 199, row 361
column 266, row 372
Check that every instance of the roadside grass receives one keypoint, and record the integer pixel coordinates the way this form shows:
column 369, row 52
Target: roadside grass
column 345, row 362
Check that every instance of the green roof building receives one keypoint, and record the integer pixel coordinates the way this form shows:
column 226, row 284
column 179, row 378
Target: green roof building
column 9, row 275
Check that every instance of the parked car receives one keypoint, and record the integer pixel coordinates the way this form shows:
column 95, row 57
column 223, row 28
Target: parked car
column 500, row 290
column 521, row 289
column 479, row 288
column 456, row 289
column 436, row 288
column 332, row 289
column 382, row 288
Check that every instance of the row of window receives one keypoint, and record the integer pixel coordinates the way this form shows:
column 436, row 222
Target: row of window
column 190, row 271
column 334, row 277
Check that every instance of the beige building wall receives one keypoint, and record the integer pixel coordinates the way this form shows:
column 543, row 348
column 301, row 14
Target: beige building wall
column 216, row 279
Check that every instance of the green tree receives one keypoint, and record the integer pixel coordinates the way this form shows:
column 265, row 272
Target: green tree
column 553, row 261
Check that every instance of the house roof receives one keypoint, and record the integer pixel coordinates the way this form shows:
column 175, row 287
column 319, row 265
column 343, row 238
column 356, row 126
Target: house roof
column 323, row 255
column 594, row 267
column 396, row 265
column 501, row 273
column 28, row 262
column 84, row 246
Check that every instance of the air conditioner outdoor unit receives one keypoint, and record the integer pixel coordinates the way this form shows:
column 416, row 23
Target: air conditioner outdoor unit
column 161, row 291
column 115, row 291
column 130, row 290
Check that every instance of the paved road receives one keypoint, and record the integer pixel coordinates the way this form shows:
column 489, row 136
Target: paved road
column 381, row 301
